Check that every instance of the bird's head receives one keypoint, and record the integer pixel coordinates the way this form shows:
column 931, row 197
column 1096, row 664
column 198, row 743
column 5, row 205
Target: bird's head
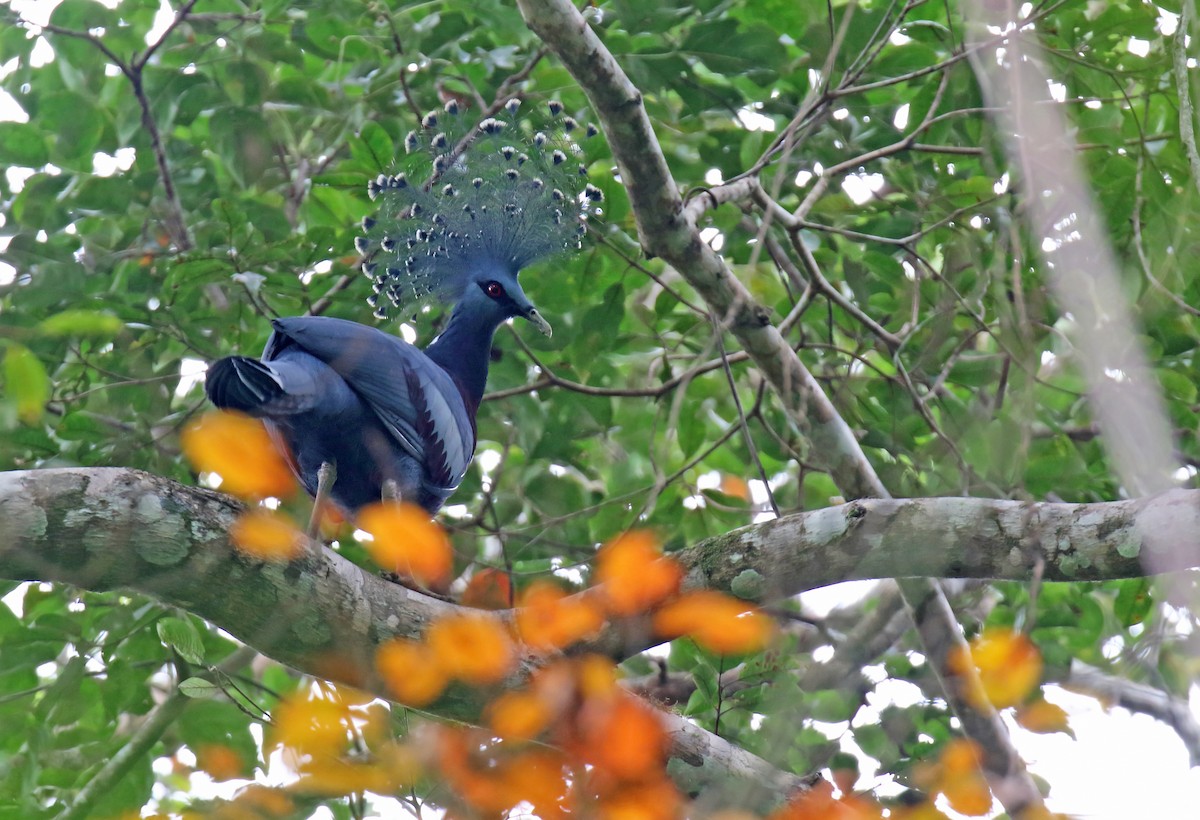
column 459, row 223
column 493, row 294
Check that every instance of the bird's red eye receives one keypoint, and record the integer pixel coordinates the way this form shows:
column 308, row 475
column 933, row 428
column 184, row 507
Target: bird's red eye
column 494, row 290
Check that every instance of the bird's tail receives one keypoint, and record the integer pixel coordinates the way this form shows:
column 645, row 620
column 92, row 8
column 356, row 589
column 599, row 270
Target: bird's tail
column 241, row 383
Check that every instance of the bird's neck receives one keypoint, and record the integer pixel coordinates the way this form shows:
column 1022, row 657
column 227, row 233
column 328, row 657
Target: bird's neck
column 464, row 349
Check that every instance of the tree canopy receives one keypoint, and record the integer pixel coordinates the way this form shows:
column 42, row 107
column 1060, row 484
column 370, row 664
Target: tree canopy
column 891, row 291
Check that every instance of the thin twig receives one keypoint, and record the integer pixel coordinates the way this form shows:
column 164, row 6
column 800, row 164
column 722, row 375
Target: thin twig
column 175, row 222
column 737, row 403
column 140, row 742
column 1183, row 88
column 138, row 63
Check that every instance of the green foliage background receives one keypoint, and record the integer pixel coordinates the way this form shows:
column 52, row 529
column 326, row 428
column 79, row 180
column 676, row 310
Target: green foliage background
column 272, row 117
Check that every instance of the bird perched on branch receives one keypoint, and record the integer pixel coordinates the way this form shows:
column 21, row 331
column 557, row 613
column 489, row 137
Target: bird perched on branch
column 475, row 204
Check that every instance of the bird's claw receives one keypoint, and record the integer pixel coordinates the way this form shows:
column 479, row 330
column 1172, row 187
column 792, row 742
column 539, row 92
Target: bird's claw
column 391, row 491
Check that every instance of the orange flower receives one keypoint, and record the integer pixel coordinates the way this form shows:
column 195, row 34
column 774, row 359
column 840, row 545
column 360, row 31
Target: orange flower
column 518, row 715
column 310, row 725
column 405, row 541
column 548, row 619
column 268, row 535
column 261, row 801
column 331, row 522
column 241, row 451
column 468, row 778
column 815, row 803
column 221, row 762
column 921, row 811
column 1043, row 717
column 716, row 621
column 393, row 767
column 475, row 648
column 1008, row 668
column 655, row 800
column 735, row 486
column 336, row 776
column 968, row 795
column 401, row 762
column 960, row 756
column 488, row 589
column 537, row 776
column 622, row 737
column 597, row 676
column 634, row 575
column 332, row 664
column 411, row 671
column 961, row 779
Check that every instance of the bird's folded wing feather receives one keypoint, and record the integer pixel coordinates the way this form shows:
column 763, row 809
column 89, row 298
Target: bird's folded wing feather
column 414, row 398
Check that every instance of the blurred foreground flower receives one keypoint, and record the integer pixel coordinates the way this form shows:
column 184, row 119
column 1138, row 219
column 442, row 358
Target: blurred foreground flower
column 633, row 574
column 1007, row 667
column 404, row 540
column 241, row 451
column 718, row 622
column 268, row 535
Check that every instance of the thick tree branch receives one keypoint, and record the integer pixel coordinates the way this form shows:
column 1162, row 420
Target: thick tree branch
column 1065, row 224
column 1005, row 770
column 1138, row 697
column 951, row 538
column 109, row 528
column 112, row 528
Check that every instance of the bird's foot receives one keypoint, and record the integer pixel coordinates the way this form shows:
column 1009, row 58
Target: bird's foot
column 391, row 491
column 326, row 476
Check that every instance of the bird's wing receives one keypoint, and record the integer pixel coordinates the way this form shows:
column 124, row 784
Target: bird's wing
column 415, row 399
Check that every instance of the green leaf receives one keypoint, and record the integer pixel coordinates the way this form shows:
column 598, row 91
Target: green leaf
column 97, row 323
column 373, row 146
column 699, row 703
column 904, row 59
column 39, row 206
column 1134, row 601
column 217, row 721
column 199, row 688
column 831, row 705
column 183, row 637
column 242, row 139
column 77, row 126
column 875, row 741
column 725, row 48
column 26, row 382
column 22, row 145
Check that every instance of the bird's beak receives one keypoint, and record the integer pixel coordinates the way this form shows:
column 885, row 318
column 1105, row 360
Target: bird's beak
column 541, row 324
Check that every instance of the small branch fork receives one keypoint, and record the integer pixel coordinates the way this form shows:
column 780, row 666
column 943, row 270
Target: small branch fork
column 176, row 225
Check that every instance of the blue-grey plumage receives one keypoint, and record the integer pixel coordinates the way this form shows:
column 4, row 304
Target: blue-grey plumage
column 373, row 405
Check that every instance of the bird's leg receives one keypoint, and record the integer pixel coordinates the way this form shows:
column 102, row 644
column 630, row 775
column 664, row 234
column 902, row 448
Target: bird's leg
column 391, row 491
column 326, row 475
